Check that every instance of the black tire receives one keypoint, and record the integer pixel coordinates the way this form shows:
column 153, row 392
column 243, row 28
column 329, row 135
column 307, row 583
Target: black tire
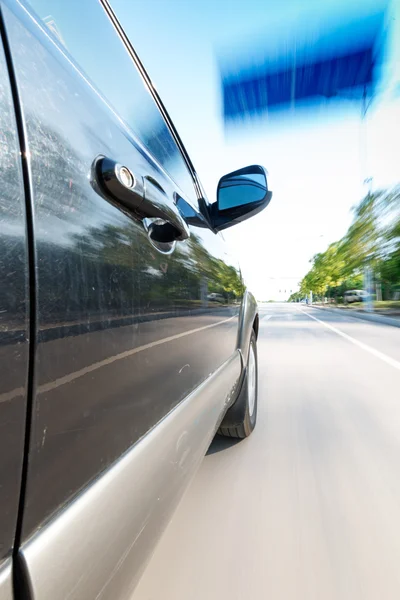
column 241, row 418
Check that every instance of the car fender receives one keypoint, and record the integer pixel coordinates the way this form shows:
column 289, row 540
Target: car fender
column 248, row 319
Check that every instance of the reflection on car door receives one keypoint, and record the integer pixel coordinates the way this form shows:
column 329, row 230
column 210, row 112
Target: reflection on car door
column 14, row 322
column 125, row 330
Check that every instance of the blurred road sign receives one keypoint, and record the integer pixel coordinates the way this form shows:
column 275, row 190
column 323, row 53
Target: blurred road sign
column 324, row 65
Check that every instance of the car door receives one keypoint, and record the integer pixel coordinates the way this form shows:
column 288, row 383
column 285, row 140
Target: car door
column 134, row 363
column 14, row 325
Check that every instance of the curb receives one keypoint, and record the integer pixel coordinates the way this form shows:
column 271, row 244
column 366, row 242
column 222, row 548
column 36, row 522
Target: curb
column 364, row 316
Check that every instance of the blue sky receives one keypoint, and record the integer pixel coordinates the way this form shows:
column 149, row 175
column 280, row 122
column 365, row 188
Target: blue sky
column 317, row 157
column 314, row 156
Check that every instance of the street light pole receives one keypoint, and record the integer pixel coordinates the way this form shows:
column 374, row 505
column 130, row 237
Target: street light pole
column 367, row 300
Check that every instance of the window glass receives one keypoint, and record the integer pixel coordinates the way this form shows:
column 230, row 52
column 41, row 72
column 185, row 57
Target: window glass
column 86, row 32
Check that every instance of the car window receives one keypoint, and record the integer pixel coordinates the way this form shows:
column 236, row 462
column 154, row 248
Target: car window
column 86, row 32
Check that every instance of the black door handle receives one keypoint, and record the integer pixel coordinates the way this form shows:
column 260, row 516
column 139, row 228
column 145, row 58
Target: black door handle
column 144, row 196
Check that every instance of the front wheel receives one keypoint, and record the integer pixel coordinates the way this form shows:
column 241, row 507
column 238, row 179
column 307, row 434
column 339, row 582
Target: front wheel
column 241, row 418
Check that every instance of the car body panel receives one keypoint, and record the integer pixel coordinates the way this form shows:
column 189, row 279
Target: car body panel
column 14, row 316
column 138, row 353
column 101, row 543
column 124, row 333
column 6, row 588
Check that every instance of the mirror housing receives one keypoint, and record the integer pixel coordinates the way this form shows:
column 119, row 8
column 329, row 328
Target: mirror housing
column 240, row 195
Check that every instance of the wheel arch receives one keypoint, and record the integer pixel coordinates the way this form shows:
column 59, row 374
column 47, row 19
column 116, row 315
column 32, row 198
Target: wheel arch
column 248, row 322
column 256, row 324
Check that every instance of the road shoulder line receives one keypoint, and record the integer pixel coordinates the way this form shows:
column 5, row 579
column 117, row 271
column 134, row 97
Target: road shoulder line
column 372, row 318
column 384, row 357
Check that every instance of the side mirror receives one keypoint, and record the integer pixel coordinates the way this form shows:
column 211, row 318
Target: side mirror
column 240, row 195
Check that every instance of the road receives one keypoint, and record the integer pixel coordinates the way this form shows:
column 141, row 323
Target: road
column 309, row 506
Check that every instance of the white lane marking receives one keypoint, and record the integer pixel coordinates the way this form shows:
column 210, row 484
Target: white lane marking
column 266, row 317
column 46, row 387
column 387, row 359
column 7, row 396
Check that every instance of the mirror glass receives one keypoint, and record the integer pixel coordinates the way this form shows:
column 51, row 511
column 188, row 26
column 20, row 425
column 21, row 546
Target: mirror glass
column 241, row 188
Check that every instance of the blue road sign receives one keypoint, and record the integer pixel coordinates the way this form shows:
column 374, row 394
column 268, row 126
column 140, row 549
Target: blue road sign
column 344, row 60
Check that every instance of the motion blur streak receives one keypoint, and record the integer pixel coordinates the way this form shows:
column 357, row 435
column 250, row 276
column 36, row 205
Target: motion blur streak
column 307, row 507
column 316, row 58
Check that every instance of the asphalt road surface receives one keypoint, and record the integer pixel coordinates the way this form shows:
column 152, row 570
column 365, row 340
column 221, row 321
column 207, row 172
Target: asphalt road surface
column 309, row 506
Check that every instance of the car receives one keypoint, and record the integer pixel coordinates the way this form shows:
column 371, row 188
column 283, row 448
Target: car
column 116, row 370
column 216, row 297
column 355, row 296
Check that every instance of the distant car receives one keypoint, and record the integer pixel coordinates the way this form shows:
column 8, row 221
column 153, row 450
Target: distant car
column 215, row 297
column 355, row 296
column 115, row 370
